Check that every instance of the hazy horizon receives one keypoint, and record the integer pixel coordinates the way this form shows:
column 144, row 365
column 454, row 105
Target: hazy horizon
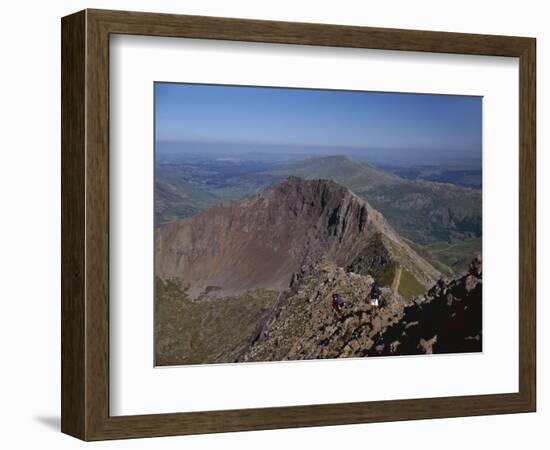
column 390, row 127
column 173, row 151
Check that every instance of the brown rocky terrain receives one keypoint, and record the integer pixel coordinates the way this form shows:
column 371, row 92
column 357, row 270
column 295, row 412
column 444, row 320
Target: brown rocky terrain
column 304, row 326
column 262, row 240
column 253, row 280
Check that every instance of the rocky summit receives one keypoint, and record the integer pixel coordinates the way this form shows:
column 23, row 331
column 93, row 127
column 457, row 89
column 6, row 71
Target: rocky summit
column 304, row 326
column 262, row 240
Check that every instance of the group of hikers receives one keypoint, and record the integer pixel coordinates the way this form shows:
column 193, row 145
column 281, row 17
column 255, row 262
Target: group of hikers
column 373, row 299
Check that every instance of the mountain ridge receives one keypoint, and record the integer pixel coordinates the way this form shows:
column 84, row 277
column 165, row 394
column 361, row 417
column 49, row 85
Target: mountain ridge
column 262, row 240
column 425, row 212
column 339, row 168
column 422, row 211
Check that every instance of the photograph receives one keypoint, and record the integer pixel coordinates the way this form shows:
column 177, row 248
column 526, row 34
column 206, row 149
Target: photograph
column 262, row 225
column 301, row 224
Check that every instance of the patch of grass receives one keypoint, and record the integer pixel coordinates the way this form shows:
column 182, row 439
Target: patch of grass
column 409, row 287
column 385, row 277
column 203, row 332
column 443, row 212
column 450, row 258
column 428, row 256
column 375, row 260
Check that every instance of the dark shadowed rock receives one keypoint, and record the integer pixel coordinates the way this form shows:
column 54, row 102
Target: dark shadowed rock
column 447, row 320
column 476, row 266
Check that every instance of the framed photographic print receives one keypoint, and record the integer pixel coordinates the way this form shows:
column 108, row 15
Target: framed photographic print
column 272, row 224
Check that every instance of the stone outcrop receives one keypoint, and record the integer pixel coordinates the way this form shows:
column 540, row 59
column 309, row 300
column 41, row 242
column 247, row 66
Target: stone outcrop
column 305, row 326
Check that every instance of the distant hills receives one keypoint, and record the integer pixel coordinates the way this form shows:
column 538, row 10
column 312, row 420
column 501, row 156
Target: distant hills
column 421, row 211
column 178, row 198
column 358, row 176
column 441, row 221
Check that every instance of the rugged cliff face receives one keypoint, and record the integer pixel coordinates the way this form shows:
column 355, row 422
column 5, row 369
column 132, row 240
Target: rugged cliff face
column 261, row 241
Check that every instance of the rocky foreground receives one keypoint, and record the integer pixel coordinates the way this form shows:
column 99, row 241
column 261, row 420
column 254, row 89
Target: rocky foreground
column 304, row 326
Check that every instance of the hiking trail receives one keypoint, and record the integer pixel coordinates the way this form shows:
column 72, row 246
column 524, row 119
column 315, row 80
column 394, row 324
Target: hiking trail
column 396, row 280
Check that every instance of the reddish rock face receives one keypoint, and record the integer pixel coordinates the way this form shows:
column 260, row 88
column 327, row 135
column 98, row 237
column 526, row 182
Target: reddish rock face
column 262, row 240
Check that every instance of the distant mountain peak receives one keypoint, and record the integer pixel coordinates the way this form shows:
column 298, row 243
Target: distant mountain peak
column 342, row 158
column 341, row 168
column 421, row 211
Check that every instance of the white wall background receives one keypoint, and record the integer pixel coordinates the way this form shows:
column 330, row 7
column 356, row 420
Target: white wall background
column 30, row 221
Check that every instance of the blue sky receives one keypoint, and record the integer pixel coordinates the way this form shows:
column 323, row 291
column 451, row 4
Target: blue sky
column 310, row 117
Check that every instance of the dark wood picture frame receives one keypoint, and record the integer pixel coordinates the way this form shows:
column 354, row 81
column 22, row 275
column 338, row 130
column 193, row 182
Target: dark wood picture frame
column 85, row 224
